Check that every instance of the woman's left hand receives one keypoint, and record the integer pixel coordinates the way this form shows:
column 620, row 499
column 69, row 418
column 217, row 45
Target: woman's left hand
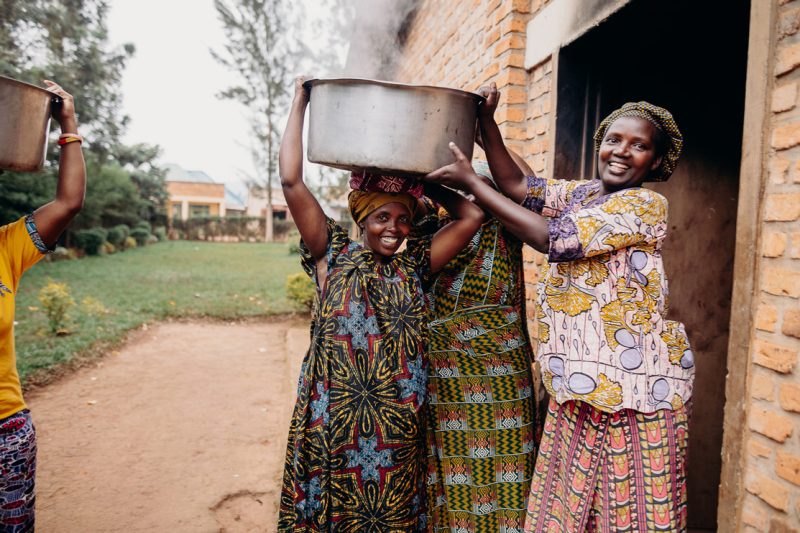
column 457, row 175
column 66, row 115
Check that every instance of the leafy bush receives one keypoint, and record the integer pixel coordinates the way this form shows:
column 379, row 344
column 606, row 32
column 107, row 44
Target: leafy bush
column 61, row 254
column 160, row 233
column 108, row 248
column 129, row 243
column 125, row 229
column 115, row 236
column 143, row 224
column 300, row 289
column 140, row 234
column 293, row 238
column 152, row 239
column 90, row 240
column 56, row 300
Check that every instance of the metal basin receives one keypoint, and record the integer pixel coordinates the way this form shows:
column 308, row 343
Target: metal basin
column 25, row 123
column 388, row 128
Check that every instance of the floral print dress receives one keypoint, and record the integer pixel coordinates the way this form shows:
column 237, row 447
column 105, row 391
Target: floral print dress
column 355, row 459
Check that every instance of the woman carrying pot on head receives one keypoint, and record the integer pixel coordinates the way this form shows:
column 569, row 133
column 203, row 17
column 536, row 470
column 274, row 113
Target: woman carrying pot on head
column 482, row 427
column 613, row 450
column 22, row 244
column 356, row 454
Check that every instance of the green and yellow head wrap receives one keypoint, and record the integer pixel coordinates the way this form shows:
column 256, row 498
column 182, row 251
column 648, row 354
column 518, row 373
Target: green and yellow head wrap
column 661, row 119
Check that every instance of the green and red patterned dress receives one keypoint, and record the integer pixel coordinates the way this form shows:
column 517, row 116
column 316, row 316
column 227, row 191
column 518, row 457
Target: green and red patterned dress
column 482, row 422
column 355, row 459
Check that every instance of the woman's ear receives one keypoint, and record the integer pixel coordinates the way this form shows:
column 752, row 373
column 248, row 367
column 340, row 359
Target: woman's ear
column 656, row 162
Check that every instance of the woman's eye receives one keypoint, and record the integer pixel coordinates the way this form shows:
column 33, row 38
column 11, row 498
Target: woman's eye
column 404, row 220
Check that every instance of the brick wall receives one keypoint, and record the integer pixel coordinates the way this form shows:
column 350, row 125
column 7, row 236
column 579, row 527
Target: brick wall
column 181, row 188
column 772, row 461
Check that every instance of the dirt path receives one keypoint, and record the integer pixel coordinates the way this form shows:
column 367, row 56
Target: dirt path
column 183, row 430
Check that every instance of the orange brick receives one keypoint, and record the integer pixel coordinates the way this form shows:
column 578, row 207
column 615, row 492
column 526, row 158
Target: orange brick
column 492, row 38
column 774, row 244
column 787, row 466
column 788, row 59
column 511, row 133
column 788, row 23
column 511, row 114
column 791, row 323
column 515, row 59
column 511, row 76
column 766, row 317
column 777, row 525
column 786, row 136
column 795, row 246
column 781, row 281
column 762, row 385
column 514, row 24
column 770, row 355
column 773, row 425
column 758, row 449
column 772, row 492
column 754, row 515
column 784, row 97
column 777, row 169
column 510, row 42
column 782, row 207
column 790, row 397
column 515, row 95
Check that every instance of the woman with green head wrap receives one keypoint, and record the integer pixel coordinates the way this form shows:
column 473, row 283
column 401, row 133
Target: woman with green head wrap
column 619, row 374
column 355, row 459
column 482, row 427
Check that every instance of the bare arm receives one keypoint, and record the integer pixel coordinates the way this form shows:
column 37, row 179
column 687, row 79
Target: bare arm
column 54, row 217
column 506, row 170
column 306, row 211
column 528, row 226
column 453, row 237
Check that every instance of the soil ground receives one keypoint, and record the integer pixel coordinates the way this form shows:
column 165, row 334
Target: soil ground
column 182, row 430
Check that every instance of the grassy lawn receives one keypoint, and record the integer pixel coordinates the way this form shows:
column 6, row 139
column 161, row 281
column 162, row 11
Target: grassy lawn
column 126, row 290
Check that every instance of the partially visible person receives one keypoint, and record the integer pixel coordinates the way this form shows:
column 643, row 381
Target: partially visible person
column 482, row 422
column 22, row 244
column 619, row 373
column 355, row 459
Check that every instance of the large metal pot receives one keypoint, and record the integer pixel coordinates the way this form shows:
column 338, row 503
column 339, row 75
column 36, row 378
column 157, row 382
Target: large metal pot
column 24, row 124
column 388, row 128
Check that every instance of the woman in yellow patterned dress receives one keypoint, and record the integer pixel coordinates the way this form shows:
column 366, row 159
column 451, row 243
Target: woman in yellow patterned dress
column 482, row 417
column 613, row 451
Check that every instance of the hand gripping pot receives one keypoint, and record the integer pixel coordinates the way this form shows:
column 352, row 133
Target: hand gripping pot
column 388, row 128
column 25, row 110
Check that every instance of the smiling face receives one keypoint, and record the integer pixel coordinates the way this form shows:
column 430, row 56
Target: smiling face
column 386, row 228
column 627, row 153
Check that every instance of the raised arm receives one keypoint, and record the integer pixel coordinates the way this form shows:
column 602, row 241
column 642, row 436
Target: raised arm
column 306, row 211
column 509, row 175
column 528, row 226
column 53, row 218
column 454, row 236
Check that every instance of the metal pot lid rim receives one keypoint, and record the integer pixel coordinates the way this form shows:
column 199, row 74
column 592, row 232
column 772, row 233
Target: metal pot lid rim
column 308, row 84
column 29, row 85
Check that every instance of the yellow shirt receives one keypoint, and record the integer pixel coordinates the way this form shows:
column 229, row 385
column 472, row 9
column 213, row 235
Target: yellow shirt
column 20, row 248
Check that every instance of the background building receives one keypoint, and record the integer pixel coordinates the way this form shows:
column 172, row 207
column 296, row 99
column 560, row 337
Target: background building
column 729, row 73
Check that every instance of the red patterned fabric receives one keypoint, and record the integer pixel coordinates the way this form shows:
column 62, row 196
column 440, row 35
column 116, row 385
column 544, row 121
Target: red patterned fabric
column 364, row 181
column 598, row 471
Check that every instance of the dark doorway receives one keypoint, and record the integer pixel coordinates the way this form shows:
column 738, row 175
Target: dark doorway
column 691, row 58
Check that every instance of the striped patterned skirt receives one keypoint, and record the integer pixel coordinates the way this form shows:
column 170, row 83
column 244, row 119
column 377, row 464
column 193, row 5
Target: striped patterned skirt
column 599, row 471
column 482, row 422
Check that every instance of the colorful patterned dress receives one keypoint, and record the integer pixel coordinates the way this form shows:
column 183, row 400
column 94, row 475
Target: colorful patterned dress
column 355, row 459
column 482, row 422
column 613, row 451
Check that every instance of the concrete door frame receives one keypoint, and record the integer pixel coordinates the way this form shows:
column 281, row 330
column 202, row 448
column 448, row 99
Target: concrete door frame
column 752, row 179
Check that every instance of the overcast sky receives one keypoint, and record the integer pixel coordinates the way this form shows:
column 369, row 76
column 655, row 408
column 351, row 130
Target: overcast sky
column 170, row 86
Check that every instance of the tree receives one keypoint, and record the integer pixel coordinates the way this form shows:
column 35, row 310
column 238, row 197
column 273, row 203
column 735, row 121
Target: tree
column 261, row 50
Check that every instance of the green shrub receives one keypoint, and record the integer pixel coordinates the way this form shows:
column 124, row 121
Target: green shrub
column 300, row 289
column 140, row 234
column 61, row 254
column 129, row 243
column 152, row 239
column 90, row 240
column 293, row 238
column 56, row 300
column 143, row 224
column 125, row 229
column 160, row 233
column 108, row 248
column 115, row 236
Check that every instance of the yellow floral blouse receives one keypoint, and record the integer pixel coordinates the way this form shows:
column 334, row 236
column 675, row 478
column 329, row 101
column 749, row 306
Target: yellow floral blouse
column 603, row 335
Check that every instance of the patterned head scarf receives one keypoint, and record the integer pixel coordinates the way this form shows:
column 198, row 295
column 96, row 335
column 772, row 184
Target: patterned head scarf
column 362, row 203
column 658, row 117
column 365, row 181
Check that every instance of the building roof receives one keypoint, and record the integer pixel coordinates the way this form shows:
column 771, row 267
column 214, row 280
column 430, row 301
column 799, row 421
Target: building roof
column 178, row 173
column 233, row 201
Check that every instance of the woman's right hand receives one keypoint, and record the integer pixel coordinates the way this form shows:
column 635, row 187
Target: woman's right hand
column 492, row 95
column 66, row 115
